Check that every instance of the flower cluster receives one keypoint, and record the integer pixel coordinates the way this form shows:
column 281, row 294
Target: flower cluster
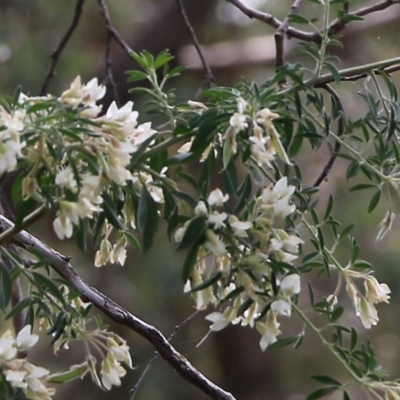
column 18, row 371
column 364, row 305
column 242, row 254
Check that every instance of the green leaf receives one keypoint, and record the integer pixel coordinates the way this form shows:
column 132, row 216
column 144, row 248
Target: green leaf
column 74, row 372
column 318, row 394
column 5, row 287
column 328, row 208
column 207, row 283
column 374, row 201
column 353, row 339
column 147, row 218
column 298, row 19
column 49, row 286
column 193, row 233
column 136, row 76
column 132, row 240
column 362, row 186
column 283, row 342
column 327, row 380
column 110, row 212
column 190, row 262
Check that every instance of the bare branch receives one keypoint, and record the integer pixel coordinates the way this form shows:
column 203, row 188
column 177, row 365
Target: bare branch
column 110, row 28
column 109, row 76
column 209, row 75
column 156, row 355
column 340, row 132
column 64, row 40
column 337, row 25
column 279, row 40
column 275, row 22
column 118, row 314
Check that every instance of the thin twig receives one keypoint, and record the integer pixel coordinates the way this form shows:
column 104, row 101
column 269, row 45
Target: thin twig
column 110, row 28
column 109, row 76
column 338, row 25
column 274, row 22
column 335, row 27
column 279, row 41
column 209, row 75
column 156, row 355
column 64, row 40
column 118, row 314
column 340, row 132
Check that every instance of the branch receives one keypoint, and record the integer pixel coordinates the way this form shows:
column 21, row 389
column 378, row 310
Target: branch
column 109, row 76
column 209, row 75
column 274, row 22
column 279, row 40
column 341, row 127
column 110, row 28
column 337, row 25
column 118, row 314
column 64, row 40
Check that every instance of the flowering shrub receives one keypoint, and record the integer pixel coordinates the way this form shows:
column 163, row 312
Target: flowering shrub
column 248, row 223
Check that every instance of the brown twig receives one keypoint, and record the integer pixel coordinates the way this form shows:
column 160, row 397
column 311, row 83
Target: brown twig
column 118, row 314
column 108, row 73
column 340, row 132
column 279, row 41
column 156, row 355
column 274, row 22
column 110, row 28
column 209, row 75
column 64, row 40
column 338, row 25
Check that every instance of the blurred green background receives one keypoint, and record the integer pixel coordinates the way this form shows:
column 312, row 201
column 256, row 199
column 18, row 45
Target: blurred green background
column 150, row 285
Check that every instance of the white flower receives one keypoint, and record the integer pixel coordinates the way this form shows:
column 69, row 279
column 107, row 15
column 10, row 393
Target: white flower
column 197, row 106
column 93, row 91
column 179, row 233
column 281, row 307
column 217, row 219
column 120, row 351
column 7, row 349
column 269, row 330
column 219, row 320
column 201, row 208
column 122, row 114
column 62, row 225
column 239, row 227
column 241, row 104
column 111, row 371
column 65, row 177
column 238, row 122
column 103, row 254
column 386, row 225
column 217, row 198
column 91, row 188
column 118, row 253
column 16, row 378
column 142, row 133
column 25, row 339
column 367, row 312
column 10, row 150
column 290, row 284
column 376, row 292
column 215, row 244
column 266, row 116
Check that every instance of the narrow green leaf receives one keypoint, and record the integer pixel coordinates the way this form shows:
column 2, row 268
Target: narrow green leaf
column 190, row 262
column 207, row 283
column 327, row 380
column 193, row 232
column 374, row 201
column 318, row 394
column 110, row 211
column 147, row 218
column 5, row 287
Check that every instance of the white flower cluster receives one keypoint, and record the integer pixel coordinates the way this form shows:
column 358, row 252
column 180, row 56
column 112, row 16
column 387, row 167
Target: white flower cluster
column 242, row 252
column 364, row 305
column 18, row 371
column 95, row 152
column 260, row 131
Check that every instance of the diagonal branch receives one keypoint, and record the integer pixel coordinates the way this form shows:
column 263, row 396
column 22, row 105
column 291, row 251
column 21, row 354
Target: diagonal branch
column 279, row 40
column 209, row 75
column 118, row 314
column 337, row 25
column 274, row 22
column 58, row 50
column 110, row 28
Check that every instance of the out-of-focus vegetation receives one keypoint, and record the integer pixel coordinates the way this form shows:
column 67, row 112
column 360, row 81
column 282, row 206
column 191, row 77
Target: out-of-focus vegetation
column 150, row 285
